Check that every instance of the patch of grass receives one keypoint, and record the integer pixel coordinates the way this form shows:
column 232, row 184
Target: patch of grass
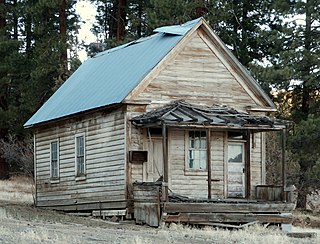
column 17, row 189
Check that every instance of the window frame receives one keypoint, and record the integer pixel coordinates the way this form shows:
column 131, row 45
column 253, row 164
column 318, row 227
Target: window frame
column 237, row 143
column 195, row 171
column 52, row 177
column 81, row 175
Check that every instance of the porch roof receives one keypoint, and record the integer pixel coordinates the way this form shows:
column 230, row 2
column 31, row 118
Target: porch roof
column 182, row 114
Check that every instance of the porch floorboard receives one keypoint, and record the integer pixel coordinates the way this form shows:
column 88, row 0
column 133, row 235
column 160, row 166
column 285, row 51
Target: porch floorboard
column 218, row 207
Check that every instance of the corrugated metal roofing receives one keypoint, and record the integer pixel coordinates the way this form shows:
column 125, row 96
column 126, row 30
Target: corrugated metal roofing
column 110, row 76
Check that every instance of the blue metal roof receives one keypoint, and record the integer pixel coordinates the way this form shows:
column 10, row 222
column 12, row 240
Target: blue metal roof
column 110, row 76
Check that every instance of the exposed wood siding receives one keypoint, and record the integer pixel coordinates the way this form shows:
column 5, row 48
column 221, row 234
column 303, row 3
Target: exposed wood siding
column 136, row 138
column 105, row 160
column 256, row 162
column 191, row 184
column 197, row 75
column 217, row 163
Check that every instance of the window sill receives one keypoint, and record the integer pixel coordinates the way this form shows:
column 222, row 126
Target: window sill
column 196, row 172
column 81, row 177
column 54, row 180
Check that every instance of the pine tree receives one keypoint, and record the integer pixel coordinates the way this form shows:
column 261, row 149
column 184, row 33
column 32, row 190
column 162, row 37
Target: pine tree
column 34, row 38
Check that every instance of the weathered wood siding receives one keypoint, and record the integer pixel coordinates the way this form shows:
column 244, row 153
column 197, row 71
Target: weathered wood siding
column 196, row 74
column 190, row 183
column 105, row 161
column 194, row 184
column 257, row 164
column 136, row 138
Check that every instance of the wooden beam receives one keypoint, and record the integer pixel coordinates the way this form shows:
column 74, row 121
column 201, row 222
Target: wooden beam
column 88, row 206
column 165, row 158
column 228, row 218
column 284, row 168
column 302, row 234
column 228, row 207
column 209, row 161
column 248, row 165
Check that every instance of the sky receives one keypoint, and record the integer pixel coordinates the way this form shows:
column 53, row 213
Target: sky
column 87, row 12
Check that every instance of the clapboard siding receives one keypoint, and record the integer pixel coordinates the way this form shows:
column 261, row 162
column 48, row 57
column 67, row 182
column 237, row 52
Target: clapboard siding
column 105, row 160
column 200, row 77
column 187, row 182
column 256, row 161
column 68, row 202
column 136, row 138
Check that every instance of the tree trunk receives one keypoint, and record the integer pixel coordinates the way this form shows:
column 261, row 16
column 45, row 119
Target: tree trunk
column 306, row 65
column 63, row 39
column 2, row 14
column 121, row 20
column 4, row 173
column 139, row 28
column 244, row 37
column 200, row 9
column 15, row 21
column 302, row 199
column 28, row 33
column 112, row 23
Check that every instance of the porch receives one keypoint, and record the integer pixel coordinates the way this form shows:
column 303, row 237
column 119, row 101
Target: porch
column 210, row 170
column 152, row 206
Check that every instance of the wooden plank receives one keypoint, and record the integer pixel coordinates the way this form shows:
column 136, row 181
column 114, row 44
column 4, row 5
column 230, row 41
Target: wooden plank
column 115, row 199
column 86, row 206
column 193, row 218
column 302, row 234
column 269, row 192
column 199, row 79
column 165, row 159
column 109, row 213
column 209, row 161
column 284, row 166
column 228, row 207
column 147, row 213
column 248, row 165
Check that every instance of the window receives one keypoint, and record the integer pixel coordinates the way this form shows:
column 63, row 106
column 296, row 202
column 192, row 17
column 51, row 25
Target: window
column 197, row 154
column 80, row 156
column 236, row 135
column 236, row 153
column 54, row 160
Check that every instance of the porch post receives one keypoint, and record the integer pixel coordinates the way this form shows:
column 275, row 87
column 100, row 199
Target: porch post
column 209, row 161
column 284, row 168
column 165, row 159
column 248, row 165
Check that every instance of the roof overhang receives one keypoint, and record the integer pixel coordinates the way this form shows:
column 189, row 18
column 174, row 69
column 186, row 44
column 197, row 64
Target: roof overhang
column 180, row 114
column 74, row 116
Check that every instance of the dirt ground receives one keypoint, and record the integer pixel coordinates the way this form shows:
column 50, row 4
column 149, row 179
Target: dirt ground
column 22, row 223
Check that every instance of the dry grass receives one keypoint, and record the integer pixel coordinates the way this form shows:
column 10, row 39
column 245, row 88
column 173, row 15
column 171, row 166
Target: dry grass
column 21, row 223
column 18, row 189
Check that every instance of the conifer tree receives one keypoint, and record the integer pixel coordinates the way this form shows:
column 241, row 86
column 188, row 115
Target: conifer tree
column 33, row 50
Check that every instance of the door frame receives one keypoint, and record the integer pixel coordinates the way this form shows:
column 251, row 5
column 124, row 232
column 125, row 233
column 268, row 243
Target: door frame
column 150, row 142
column 243, row 164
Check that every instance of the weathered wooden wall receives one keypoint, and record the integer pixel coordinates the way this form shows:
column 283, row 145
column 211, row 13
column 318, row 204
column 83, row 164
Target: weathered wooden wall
column 147, row 198
column 191, row 183
column 105, row 163
column 135, row 141
column 194, row 184
column 195, row 74
column 257, row 162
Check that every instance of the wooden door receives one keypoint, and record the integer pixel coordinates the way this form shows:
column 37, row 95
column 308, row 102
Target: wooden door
column 155, row 160
column 236, row 169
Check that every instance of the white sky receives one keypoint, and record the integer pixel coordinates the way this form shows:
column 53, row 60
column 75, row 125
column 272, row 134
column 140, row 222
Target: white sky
column 87, row 12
